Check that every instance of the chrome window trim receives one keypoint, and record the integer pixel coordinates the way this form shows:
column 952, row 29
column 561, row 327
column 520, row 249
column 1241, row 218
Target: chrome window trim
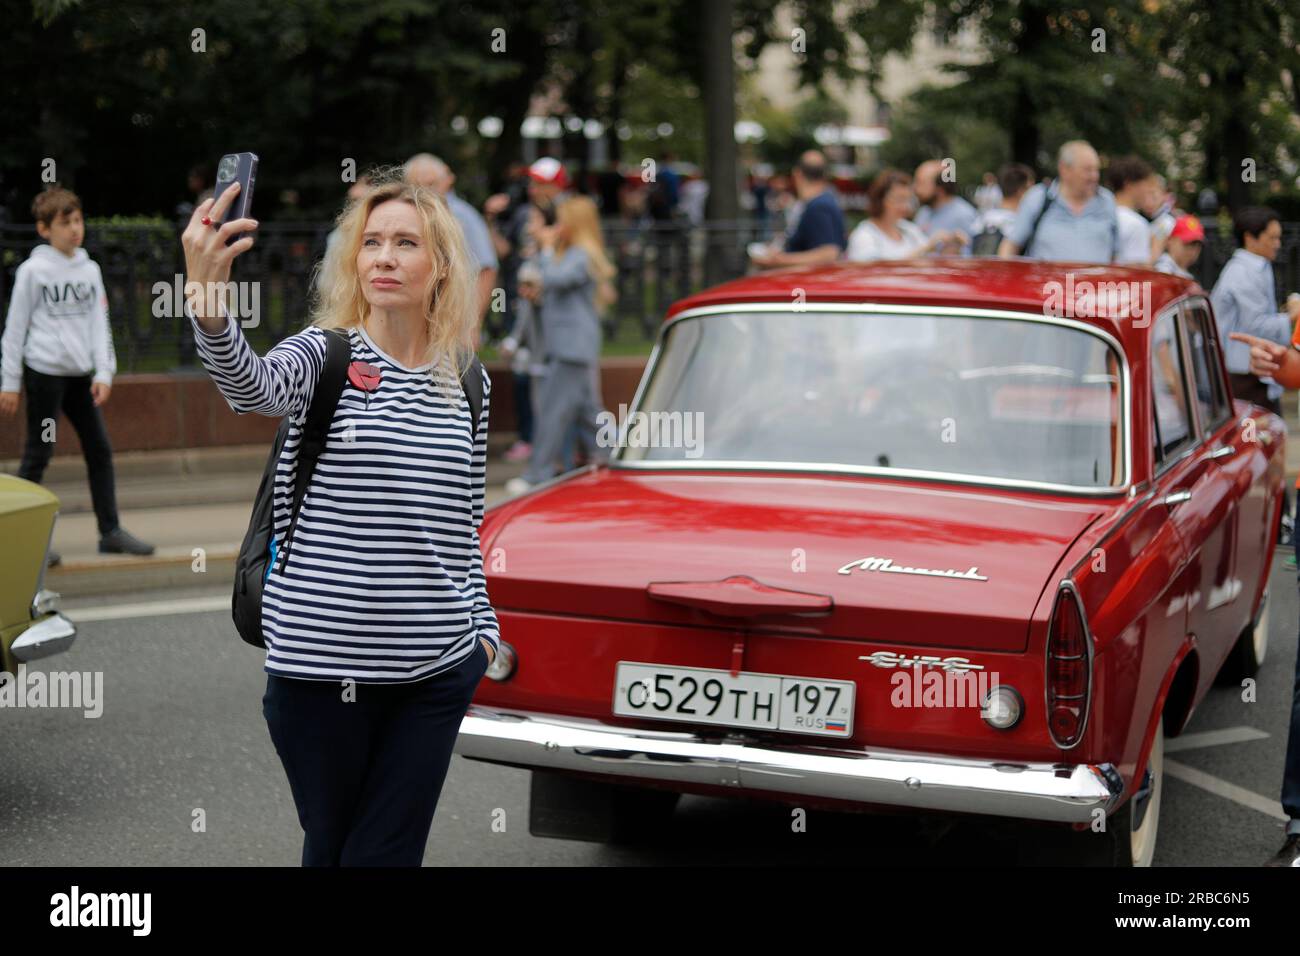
column 1189, row 375
column 714, row 465
column 1068, row 585
column 1159, row 468
column 1187, row 304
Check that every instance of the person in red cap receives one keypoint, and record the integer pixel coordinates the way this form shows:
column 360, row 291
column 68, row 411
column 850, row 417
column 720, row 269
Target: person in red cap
column 548, row 185
column 549, row 171
column 1183, row 247
column 547, row 182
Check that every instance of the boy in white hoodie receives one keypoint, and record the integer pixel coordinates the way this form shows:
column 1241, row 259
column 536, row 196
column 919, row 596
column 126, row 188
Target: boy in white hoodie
column 58, row 344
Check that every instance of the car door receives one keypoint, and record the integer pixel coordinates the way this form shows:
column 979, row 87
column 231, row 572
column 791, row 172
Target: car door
column 1194, row 487
column 1228, row 446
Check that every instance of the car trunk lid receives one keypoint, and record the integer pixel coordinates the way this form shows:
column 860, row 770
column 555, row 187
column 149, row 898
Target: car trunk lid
column 843, row 556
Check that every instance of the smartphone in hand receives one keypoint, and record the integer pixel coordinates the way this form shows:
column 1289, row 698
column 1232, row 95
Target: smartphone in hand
column 240, row 168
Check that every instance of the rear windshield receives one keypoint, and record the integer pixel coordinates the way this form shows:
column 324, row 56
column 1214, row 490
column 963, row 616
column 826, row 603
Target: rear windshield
column 1027, row 400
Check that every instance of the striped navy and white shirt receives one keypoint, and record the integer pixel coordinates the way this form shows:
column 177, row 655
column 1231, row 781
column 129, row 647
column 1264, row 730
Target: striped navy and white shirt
column 384, row 580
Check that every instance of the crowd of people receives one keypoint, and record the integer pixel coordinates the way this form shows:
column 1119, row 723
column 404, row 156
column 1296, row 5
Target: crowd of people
column 1071, row 217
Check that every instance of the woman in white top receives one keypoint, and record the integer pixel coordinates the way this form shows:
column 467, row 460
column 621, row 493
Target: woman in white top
column 887, row 233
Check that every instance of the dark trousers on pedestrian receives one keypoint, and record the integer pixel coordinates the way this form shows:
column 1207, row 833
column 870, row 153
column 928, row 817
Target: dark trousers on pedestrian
column 366, row 773
column 1291, row 771
column 1252, row 389
column 524, row 405
column 569, row 397
column 47, row 395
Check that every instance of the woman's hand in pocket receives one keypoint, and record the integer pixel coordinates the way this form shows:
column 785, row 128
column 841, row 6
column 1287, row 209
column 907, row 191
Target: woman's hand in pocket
column 491, row 653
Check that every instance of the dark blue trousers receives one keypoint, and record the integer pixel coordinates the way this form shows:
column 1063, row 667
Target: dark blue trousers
column 1291, row 773
column 366, row 774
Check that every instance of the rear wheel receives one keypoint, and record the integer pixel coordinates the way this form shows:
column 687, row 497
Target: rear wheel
column 1248, row 653
column 566, row 807
column 1130, row 835
column 1144, row 821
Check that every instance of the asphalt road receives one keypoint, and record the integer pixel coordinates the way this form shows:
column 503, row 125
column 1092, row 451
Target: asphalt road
column 182, row 731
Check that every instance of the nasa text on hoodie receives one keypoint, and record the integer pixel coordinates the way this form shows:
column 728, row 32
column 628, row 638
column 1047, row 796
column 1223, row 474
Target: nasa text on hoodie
column 58, row 319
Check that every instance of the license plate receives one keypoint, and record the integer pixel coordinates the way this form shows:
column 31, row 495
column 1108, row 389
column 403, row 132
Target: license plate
column 802, row 705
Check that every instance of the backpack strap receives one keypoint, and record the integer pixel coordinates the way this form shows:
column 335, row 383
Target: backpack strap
column 338, row 350
column 1033, row 230
column 472, row 383
column 1114, row 233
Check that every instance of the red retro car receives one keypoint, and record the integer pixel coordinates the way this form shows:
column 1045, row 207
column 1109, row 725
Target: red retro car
column 968, row 536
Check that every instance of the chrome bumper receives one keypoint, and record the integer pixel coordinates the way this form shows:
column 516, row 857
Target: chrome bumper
column 1035, row 791
column 51, row 635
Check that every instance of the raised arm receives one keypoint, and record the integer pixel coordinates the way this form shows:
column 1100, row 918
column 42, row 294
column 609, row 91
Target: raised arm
column 282, row 382
column 568, row 271
column 1271, row 360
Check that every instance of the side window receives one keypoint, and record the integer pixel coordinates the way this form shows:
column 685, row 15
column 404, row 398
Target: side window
column 1173, row 415
column 1211, row 392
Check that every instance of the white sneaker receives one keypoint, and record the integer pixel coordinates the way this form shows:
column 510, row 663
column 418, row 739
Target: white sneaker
column 517, row 486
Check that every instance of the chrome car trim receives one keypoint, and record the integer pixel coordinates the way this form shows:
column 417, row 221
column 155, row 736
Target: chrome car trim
column 1067, row 585
column 889, row 659
column 887, row 564
column 45, row 558
column 705, row 464
column 45, row 602
column 53, row 635
column 1037, row 791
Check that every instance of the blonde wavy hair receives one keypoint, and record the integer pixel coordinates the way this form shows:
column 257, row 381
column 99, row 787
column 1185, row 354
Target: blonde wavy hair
column 449, row 297
column 581, row 220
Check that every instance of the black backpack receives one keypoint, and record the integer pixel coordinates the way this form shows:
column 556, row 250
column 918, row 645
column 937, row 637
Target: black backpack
column 256, row 553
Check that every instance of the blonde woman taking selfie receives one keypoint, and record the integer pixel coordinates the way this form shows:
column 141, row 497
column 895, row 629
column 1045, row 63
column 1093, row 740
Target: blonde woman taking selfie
column 577, row 282
column 377, row 626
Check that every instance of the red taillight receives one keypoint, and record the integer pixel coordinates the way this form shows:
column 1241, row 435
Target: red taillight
column 1069, row 669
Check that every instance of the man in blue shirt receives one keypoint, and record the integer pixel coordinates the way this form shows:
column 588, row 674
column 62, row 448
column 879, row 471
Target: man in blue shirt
column 1245, row 300
column 818, row 237
column 428, row 170
column 941, row 209
column 1079, row 222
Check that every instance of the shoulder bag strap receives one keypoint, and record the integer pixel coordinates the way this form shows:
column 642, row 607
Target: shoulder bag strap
column 1033, row 230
